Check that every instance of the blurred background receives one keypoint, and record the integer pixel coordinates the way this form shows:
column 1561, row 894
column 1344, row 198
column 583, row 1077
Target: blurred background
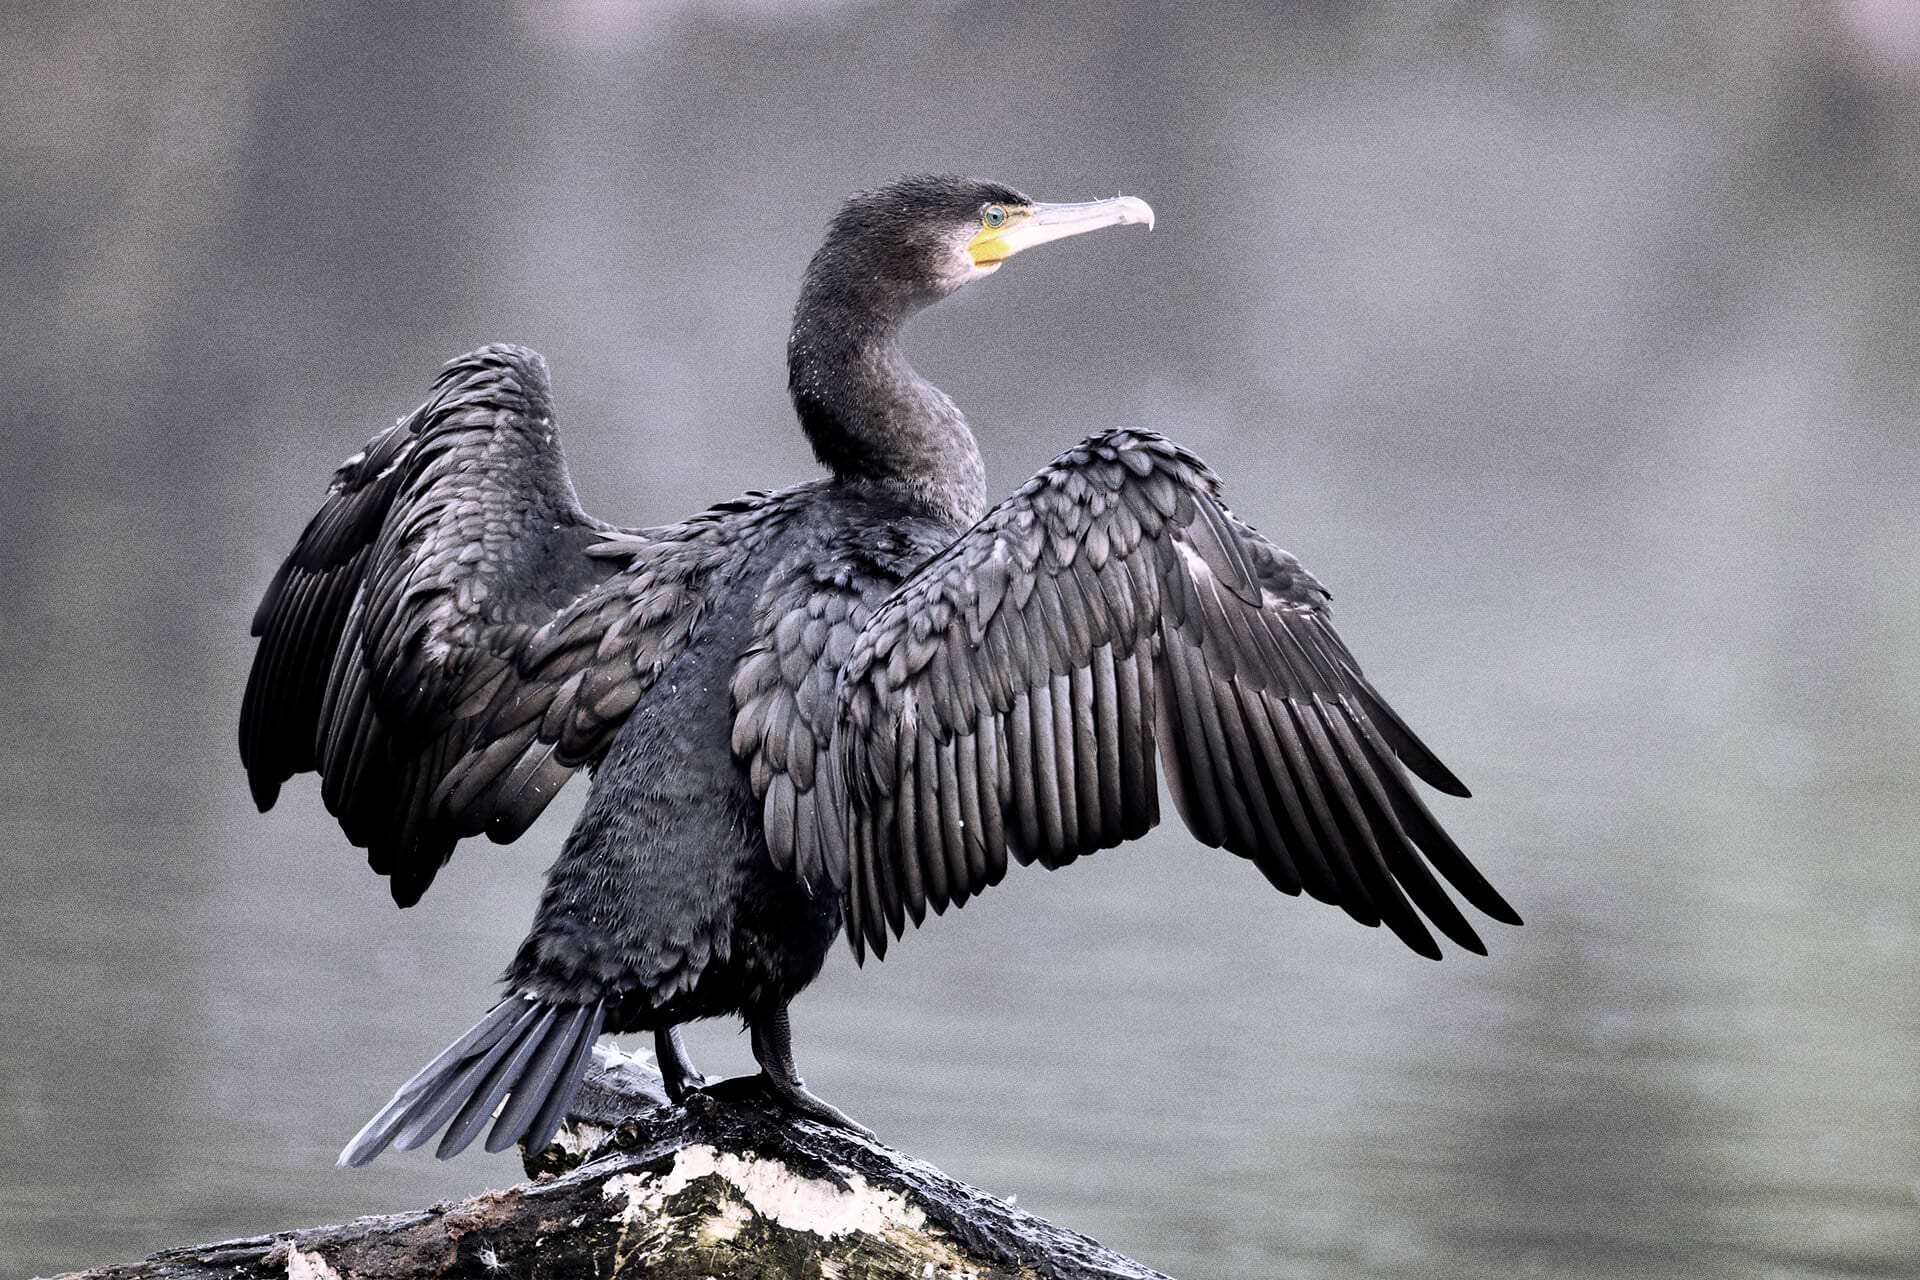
column 1571, row 343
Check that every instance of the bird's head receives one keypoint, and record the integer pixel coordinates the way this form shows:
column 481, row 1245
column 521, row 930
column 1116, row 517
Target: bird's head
column 917, row 240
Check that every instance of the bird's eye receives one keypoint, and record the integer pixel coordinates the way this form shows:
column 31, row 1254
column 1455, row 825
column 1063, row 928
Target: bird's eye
column 993, row 217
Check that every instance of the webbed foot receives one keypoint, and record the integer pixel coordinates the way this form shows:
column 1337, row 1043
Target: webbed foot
column 773, row 1049
column 794, row 1095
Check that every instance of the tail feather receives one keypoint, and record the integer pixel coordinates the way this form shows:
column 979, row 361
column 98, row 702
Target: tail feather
column 537, row 1083
column 560, row 1096
column 437, row 1105
column 482, row 1036
column 531, row 1053
column 375, row 1136
column 483, row 1102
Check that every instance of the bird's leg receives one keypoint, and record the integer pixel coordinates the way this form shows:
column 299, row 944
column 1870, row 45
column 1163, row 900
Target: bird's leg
column 773, row 1050
column 676, row 1070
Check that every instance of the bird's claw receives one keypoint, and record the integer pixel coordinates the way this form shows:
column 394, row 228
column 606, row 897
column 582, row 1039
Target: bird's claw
column 797, row 1098
column 681, row 1088
column 793, row 1097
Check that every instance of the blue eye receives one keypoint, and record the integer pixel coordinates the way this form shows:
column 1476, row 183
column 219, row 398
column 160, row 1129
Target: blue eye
column 993, row 217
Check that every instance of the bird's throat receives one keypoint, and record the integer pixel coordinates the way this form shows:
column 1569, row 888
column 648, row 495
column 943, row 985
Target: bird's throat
column 873, row 421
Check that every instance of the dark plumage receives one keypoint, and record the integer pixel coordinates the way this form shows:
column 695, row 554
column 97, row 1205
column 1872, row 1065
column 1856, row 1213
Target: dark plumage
column 855, row 699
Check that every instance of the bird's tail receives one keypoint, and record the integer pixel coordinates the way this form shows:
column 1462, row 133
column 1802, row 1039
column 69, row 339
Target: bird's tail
column 526, row 1052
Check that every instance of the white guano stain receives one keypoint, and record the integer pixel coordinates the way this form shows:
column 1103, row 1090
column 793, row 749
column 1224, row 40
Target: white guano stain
column 305, row 1265
column 580, row 1138
column 637, row 1189
column 731, row 1219
column 773, row 1191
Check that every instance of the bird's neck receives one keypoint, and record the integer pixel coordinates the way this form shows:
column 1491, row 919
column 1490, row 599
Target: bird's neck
column 874, row 422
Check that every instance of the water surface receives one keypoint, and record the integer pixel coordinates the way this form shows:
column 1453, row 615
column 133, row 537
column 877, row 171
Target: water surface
column 1571, row 344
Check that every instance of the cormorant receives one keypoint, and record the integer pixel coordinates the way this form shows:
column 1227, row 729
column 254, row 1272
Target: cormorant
column 850, row 700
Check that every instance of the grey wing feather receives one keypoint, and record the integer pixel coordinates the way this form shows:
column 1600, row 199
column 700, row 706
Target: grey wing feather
column 300, row 619
column 785, row 689
column 1012, row 697
column 453, row 636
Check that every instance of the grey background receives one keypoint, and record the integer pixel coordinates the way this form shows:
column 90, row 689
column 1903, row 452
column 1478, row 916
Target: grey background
column 1571, row 343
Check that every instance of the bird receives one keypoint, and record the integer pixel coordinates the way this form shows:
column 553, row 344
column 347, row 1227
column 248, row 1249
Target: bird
column 844, row 704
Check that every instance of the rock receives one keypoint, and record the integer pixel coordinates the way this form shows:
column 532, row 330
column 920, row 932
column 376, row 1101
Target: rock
column 727, row 1186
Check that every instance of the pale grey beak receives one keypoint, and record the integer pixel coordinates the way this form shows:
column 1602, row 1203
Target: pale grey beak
column 1043, row 222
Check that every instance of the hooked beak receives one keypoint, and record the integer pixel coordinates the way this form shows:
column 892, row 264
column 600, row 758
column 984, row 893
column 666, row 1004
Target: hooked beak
column 1038, row 223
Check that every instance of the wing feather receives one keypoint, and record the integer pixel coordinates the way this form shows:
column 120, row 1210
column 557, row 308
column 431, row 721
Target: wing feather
column 784, row 688
column 1011, row 698
column 452, row 636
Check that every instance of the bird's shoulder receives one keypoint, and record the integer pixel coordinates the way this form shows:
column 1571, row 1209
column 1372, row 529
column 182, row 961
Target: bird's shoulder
column 839, row 562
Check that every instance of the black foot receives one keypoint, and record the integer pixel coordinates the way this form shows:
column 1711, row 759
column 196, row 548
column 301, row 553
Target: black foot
column 773, row 1050
column 765, row 1090
column 794, row 1095
column 676, row 1070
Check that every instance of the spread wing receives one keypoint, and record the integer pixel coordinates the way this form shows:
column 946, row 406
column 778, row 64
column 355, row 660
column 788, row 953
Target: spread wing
column 452, row 635
column 1011, row 697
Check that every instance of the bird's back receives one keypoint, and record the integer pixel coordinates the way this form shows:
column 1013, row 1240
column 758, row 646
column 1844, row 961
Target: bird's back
column 667, row 883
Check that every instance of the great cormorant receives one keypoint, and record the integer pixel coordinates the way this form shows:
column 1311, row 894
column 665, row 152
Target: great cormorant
column 851, row 700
